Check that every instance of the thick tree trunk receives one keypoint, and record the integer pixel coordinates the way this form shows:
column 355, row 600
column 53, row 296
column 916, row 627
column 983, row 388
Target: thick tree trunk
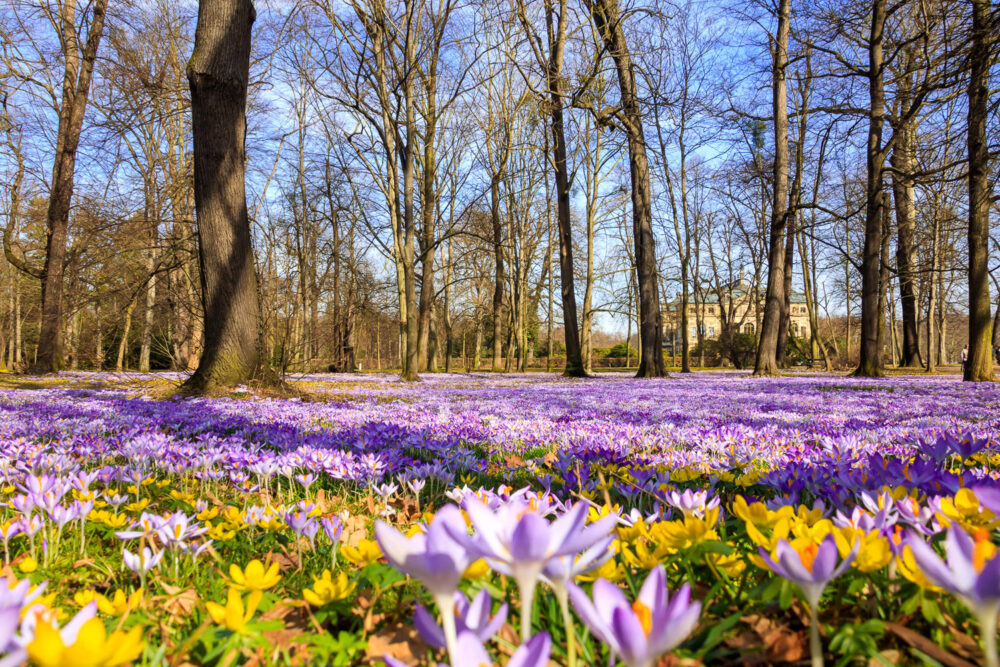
column 870, row 359
column 979, row 367
column 79, row 68
column 218, row 74
column 770, row 329
column 608, row 20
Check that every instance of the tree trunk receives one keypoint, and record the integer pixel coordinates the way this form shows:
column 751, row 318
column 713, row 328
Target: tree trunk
column 79, row 68
column 870, row 359
column 218, row 74
column 123, row 343
column 903, row 160
column 498, row 274
column 770, row 329
column 607, row 19
column 979, row 367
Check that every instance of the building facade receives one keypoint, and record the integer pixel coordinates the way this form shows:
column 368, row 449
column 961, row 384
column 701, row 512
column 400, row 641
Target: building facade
column 738, row 307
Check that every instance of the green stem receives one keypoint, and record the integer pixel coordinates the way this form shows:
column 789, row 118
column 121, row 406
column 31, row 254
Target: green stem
column 526, row 589
column 988, row 628
column 563, row 596
column 815, row 646
column 446, row 605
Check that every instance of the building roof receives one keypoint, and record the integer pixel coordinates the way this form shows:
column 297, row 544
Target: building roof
column 738, row 290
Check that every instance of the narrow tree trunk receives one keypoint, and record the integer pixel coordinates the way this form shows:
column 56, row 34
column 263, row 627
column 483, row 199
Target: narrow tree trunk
column 498, row 274
column 218, row 74
column 979, row 367
column 770, row 330
column 123, row 343
column 608, row 20
column 870, row 360
column 903, row 160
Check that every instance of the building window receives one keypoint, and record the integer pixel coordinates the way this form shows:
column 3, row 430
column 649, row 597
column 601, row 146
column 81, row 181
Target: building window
column 748, row 328
column 694, row 332
column 711, row 332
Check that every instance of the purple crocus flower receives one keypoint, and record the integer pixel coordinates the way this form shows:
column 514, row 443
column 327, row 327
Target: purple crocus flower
column 641, row 631
column 473, row 617
column 532, row 653
column 435, row 558
column 971, row 572
column 812, row 568
column 519, row 542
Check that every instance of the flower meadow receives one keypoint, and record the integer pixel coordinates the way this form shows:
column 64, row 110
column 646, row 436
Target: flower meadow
column 520, row 520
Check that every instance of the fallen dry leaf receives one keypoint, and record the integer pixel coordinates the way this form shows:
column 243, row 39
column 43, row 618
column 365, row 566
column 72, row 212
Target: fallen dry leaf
column 399, row 640
column 925, row 645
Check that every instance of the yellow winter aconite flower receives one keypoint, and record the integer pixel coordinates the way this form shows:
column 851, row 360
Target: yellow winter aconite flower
column 611, row 570
column 119, row 604
column 477, row 570
column 220, row 533
column 645, row 558
column 182, row 497
column 815, row 531
column 907, row 566
column 733, row 565
column 964, row 509
column 83, row 598
column 234, row 616
column 232, row 516
column 109, row 519
column 254, row 577
column 28, row 565
column 93, row 646
column 684, row 475
column 684, row 533
column 271, row 523
column 365, row 553
column 327, row 589
column 596, row 513
column 207, row 514
column 137, row 506
column 873, row 549
column 758, row 515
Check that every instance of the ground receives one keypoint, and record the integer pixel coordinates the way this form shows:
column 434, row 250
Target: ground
column 716, row 481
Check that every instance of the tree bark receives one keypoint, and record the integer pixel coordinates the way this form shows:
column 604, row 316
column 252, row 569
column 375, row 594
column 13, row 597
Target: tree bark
column 979, row 367
column 870, row 358
column 79, row 68
column 767, row 349
column 218, row 75
column 607, row 19
column 903, row 160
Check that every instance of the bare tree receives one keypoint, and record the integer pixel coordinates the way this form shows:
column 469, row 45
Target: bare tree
column 218, row 73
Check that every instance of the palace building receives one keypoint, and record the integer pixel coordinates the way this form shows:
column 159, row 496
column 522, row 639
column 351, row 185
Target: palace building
column 739, row 303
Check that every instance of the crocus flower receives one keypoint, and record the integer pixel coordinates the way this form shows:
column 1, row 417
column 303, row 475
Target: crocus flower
column 519, row 542
column 641, row 631
column 435, row 558
column 473, row 617
column 971, row 572
column 533, row 653
column 811, row 567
